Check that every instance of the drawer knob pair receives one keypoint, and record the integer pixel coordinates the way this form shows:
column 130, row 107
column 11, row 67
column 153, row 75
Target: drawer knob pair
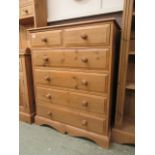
column 84, row 36
column 44, row 40
column 47, row 78
column 84, row 122
column 49, row 96
column 84, row 59
column 84, row 103
column 84, row 82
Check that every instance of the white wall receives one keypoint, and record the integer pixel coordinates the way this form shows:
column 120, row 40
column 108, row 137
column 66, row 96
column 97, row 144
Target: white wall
column 65, row 9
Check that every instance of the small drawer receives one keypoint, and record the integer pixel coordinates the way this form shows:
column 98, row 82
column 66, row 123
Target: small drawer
column 46, row 39
column 26, row 11
column 84, row 58
column 84, row 102
column 87, row 35
column 96, row 82
column 87, row 122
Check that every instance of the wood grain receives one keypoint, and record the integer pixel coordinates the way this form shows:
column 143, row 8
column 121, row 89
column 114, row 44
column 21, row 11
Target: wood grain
column 74, row 80
column 83, row 102
column 73, row 118
column 80, row 58
column 87, row 35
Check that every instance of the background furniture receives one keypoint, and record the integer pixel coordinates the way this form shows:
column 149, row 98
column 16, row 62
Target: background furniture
column 32, row 14
column 124, row 129
column 26, row 98
column 67, row 9
column 74, row 69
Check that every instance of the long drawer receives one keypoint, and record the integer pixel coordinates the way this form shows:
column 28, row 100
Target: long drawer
column 46, row 39
column 87, row 103
column 80, row 58
column 97, row 82
column 87, row 122
column 87, row 35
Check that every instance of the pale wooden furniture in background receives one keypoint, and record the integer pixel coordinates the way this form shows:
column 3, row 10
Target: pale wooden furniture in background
column 73, row 68
column 32, row 14
column 26, row 96
column 124, row 129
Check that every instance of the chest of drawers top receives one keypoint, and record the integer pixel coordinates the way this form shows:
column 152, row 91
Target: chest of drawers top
column 81, row 34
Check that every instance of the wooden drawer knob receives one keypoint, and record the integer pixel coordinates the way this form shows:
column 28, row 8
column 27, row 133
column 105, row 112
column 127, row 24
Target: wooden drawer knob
column 84, row 36
column 47, row 78
column 49, row 96
column 76, row 86
column 49, row 113
column 84, row 103
column 44, row 40
column 84, row 59
column 84, row 82
column 45, row 58
column 26, row 11
column 84, row 122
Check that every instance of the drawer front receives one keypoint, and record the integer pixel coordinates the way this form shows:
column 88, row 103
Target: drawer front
column 74, row 80
column 87, row 35
column 90, row 123
column 88, row 59
column 46, row 39
column 26, row 11
column 87, row 103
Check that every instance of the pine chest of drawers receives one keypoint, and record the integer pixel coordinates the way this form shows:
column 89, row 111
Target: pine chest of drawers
column 73, row 69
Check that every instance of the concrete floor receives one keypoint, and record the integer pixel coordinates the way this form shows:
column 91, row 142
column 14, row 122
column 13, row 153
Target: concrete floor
column 41, row 140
